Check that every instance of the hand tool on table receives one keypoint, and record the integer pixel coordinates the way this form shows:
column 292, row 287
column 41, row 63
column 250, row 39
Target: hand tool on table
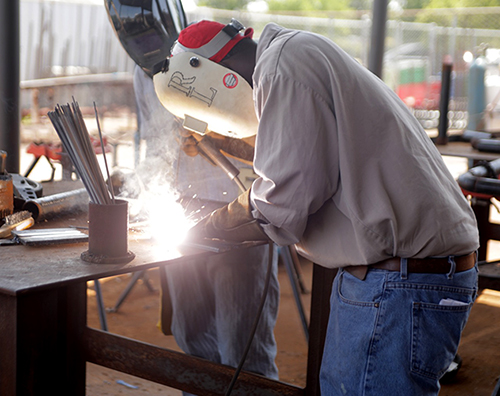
column 16, row 222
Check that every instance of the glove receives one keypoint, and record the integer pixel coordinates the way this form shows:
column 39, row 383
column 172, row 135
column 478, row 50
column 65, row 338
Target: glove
column 237, row 148
column 188, row 143
column 233, row 222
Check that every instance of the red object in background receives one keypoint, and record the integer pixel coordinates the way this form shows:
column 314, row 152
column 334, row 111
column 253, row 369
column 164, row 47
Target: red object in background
column 53, row 152
column 423, row 94
column 49, row 150
column 96, row 144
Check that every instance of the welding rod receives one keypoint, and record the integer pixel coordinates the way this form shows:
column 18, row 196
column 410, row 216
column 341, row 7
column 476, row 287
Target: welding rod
column 110, row 185
column 62, row 124
column 69, row 125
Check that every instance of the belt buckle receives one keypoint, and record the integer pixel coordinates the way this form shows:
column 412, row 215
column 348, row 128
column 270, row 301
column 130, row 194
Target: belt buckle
column 359, row 271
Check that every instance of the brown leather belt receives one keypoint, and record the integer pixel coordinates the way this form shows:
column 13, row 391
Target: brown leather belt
column 421, row 266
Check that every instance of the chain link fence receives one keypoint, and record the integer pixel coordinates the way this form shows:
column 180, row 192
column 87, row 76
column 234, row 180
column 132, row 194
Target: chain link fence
column 415, row 50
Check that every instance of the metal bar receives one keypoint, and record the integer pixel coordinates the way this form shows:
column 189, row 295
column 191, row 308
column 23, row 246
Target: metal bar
column 320, row 313
column 444, row 101
column 100, row 305
column 57, row 204
column 110, row 186
column 75, row 80
column 137, row 275
column 9, row 84
column 175, row 369
column 298, row 269
column 379, row 19
column 496, row 391
column 287, row 260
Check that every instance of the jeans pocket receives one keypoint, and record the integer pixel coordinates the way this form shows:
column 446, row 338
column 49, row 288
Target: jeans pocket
column 435, row 337
column 354, row 291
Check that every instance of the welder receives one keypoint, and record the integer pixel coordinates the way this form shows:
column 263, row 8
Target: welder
column 348, row 175
column 214, row 300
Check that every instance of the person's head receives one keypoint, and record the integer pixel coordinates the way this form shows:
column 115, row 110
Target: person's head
column 223, row 44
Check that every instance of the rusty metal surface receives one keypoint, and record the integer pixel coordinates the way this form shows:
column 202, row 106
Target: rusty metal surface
column 175, row 369
column 55, row 205
column 41, row 338
column 28, row 268
column 25, row 268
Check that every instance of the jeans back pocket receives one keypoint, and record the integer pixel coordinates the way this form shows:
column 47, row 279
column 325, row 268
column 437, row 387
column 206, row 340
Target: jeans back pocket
column 435, row 336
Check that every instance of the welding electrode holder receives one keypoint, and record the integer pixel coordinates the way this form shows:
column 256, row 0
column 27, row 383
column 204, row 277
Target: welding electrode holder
column 205, row 145
column 108, row 234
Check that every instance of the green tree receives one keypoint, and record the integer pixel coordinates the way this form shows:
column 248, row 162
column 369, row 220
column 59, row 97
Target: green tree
column 462, row 3
column 308, row 5
column 457, row 14
column 416, row 4
column 225, row 4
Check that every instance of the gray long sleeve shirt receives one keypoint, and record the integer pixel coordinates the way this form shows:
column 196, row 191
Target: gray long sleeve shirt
column 346, row 172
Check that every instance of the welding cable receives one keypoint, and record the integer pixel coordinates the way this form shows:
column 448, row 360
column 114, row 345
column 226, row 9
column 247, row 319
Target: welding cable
column 273, row 255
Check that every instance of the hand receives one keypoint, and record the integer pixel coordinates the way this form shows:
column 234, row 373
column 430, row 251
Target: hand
column 188, row 142
column 233, row 222
column 190, row 146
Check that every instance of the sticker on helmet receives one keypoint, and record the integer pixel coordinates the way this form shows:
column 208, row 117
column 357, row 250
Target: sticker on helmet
column 230, row 80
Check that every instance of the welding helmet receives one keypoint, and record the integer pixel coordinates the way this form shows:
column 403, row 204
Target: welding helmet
column 146, row 29
column 207, row 95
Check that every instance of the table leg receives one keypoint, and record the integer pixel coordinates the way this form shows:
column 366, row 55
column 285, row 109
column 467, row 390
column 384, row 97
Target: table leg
column 41, row 337
column 320, row 312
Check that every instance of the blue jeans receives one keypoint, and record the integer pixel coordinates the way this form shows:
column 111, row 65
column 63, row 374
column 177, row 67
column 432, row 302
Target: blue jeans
column 215, row 302
column 394, row 333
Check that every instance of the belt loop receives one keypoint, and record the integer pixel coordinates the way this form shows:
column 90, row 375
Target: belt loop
column 453, row 267
column 404, row 268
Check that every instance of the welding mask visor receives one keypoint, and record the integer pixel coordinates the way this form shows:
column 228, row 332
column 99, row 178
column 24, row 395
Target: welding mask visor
column 147, row 29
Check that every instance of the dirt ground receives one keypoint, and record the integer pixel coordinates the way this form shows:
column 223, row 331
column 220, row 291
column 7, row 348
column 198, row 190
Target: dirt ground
column 137, row 317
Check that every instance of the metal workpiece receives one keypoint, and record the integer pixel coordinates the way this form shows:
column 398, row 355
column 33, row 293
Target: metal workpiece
column 58, row 204
column 49, row 236
column 108, row 234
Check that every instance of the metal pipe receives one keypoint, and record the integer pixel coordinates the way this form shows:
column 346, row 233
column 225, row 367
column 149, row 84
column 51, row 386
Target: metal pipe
column 74, row 80
column 444, row 101
column 58, row 204
column 379, row 19
column 9, row 83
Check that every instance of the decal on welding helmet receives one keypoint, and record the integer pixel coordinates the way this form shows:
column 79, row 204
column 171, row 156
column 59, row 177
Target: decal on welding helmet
column 230, row 80
column 185, row 85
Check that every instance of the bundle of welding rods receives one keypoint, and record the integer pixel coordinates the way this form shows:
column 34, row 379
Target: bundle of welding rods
column 70, row 126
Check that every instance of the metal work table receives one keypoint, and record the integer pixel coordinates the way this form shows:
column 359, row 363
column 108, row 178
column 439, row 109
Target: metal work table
column 465, row 150
column 45, row 342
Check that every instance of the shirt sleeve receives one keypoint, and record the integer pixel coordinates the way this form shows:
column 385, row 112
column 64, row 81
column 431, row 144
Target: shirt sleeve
column 296, row 157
